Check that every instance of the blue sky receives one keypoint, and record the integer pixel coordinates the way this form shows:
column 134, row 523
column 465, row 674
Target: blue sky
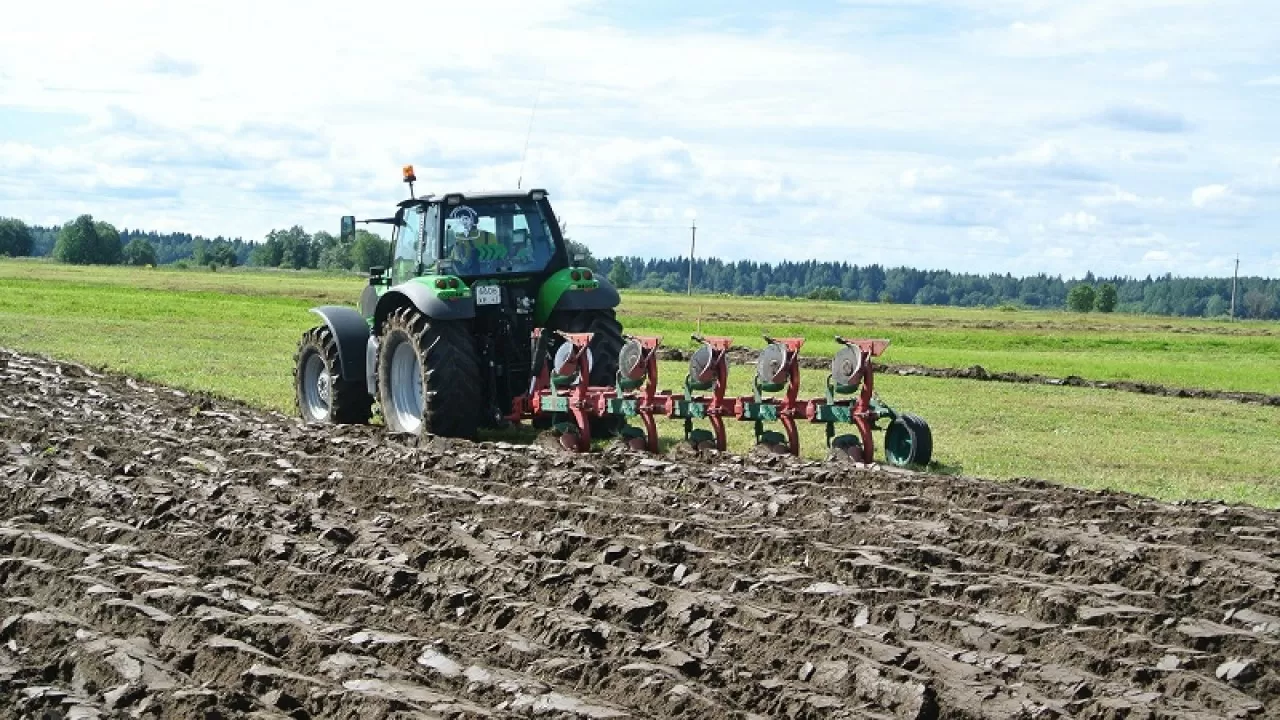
column 1122, row 137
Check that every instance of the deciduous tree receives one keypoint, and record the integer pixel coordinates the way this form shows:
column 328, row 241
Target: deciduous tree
column 139, row 252
column 1081, row 298
column 77, row 242
column 15, row 238
column 1107, row 297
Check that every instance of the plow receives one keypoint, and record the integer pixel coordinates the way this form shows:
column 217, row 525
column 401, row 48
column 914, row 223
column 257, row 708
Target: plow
column 850, row 402
column 482, row 318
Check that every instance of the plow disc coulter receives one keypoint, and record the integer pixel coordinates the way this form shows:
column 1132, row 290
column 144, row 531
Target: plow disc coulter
column 850, row 408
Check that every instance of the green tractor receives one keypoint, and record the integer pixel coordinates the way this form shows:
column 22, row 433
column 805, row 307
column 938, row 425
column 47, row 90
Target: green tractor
column 445, row 336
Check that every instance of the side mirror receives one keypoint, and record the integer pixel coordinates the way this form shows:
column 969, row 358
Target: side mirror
column 375, row 274
column 578, row 259
column 348, row 233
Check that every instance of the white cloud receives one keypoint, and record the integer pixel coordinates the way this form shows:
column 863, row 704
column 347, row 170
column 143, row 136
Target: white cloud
column 1052, row 158
column 1036, row 32
column 1271, row 81
column 1156, row 256
column 1120, row 197
column 1079, row 222
column 1153, row 71
column 1219, row 198
column 930, row 179
column 1098, row 27
column 1157, row 155
column 1207, row 195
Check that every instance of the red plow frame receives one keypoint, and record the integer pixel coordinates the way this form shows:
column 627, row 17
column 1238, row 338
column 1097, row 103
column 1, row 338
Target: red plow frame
column 850, row 399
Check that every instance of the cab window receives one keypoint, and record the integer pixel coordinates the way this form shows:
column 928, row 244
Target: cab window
column 405, row 262
column 428, row 250
column 506, row 236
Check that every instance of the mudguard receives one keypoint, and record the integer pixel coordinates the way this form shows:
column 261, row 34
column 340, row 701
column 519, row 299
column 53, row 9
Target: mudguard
column 352, row 334
column 561, row 292
column 368, row 301
column 458, row 307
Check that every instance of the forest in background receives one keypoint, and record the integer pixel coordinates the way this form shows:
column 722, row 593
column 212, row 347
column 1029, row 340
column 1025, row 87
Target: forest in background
column 85, row 240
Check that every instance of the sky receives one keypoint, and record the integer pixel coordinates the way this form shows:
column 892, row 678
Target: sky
column 1121, row 137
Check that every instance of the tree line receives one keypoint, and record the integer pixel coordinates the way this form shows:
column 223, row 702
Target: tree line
column 1256, row 297
column 86, row 240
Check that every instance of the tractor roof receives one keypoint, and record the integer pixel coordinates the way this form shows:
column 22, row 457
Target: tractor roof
column 474, row 195
column 490, row 194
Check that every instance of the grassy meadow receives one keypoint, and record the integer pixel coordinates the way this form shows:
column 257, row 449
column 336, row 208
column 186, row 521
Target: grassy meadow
column 233, row 334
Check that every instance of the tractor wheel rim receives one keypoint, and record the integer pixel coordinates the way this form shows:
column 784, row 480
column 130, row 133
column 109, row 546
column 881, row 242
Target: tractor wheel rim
column 406, row 388
column 315, row 388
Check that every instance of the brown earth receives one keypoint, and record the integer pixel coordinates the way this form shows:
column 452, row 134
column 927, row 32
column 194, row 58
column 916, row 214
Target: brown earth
column 164, row 555
column 743, row 356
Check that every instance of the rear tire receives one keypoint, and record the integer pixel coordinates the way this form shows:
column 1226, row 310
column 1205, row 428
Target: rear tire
column 606, row 344
column 908, row 441
column 428, row 376
column 320, row 395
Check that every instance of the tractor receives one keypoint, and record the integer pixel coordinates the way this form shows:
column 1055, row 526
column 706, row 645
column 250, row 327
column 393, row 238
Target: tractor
column 447, row 337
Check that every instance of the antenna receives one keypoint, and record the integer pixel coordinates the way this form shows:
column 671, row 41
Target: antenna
column 529, row 132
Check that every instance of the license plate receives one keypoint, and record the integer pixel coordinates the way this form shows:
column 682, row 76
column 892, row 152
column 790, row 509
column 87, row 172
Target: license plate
column 488, row 294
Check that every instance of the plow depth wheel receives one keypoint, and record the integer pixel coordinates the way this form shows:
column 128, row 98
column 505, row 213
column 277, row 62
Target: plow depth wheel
column 908, row 441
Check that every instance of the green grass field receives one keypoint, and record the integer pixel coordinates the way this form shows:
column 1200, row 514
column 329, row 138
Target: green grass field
column 233, row 334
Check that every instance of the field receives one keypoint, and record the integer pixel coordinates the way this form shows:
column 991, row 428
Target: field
column 173, row 543
column 232, row 334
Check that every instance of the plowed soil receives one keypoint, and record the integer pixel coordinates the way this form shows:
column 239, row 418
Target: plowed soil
column 164, row 555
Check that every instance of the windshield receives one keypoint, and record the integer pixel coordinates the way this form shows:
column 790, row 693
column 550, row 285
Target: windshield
column 491, row 237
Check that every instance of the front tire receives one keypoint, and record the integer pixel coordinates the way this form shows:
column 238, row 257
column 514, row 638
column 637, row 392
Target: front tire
column 428, row 376
column 320, row 394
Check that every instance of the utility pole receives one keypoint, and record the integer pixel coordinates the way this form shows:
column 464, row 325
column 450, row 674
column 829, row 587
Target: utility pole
column 693, row 241
column 1234, row 279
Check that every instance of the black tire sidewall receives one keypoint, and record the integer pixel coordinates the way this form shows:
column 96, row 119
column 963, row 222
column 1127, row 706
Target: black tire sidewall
column 900, row 425
column 462, row 417
column 311, row 344
column 921, row 439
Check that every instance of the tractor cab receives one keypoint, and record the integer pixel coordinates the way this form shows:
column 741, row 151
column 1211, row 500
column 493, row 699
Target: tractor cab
column 499, row 234
column 474, row 236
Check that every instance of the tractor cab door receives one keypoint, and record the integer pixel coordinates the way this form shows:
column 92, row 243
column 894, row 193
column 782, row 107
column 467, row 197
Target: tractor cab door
column 408, row 243
column 429, row 249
